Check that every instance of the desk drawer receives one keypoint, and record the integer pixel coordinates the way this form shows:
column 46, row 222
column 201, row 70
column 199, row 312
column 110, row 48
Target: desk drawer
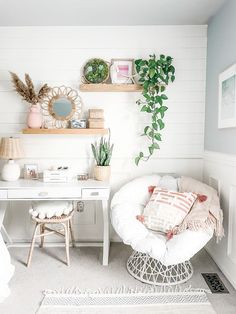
column 45, row 193
column 95, row 193
column 3, row 194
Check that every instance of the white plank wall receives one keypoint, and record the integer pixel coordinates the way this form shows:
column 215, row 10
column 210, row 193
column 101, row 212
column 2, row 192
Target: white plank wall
column 56, row 55
column 222, row 169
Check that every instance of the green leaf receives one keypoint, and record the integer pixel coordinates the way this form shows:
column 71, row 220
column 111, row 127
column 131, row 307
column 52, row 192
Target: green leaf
column 137, row 160
column 163, row 96
column 141, row 155
column 144, row 109
column 146, row 129
column 162, row 88
column 151, row 134
column 155, row 126
column 157, row 136
column 161, row 124
column 151, row 150
column 172, row 78
column 160, row 100
column 162, row 110
column 155, row 146
column 152, row 72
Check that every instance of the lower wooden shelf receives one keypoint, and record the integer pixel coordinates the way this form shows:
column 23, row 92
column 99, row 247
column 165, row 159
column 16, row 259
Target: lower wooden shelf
column 66, row 131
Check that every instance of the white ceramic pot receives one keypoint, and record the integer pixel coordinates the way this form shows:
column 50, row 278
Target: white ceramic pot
column 11, row 171
column 102, row 173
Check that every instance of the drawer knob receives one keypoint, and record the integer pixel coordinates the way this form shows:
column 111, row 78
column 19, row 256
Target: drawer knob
column 43, row 193
column 94, row 193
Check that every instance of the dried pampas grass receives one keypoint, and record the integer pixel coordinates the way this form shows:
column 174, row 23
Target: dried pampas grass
column 27, row 89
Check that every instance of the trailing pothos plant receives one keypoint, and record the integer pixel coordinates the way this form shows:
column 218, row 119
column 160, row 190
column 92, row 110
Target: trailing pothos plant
column 154, row 75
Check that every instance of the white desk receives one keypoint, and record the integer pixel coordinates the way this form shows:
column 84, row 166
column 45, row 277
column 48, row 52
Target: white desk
column 23, row 190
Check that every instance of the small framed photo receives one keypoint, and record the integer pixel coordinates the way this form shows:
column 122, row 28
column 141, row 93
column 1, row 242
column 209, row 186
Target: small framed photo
column 122, row 71
column 227, row 98
column 31, row 172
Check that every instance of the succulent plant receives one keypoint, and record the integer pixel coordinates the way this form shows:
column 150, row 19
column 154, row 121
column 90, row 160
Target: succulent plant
column 102, row 151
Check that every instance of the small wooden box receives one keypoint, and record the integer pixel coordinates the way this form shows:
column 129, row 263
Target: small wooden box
column 96, row 123
column 96, row 113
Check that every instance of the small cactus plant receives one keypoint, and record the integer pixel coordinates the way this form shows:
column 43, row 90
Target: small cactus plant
column 102, row 152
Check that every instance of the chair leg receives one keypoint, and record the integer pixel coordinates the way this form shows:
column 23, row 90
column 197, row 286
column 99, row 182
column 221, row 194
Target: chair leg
column 71, row 233
column 67, row 242
column 32, row 244
column 42, row 229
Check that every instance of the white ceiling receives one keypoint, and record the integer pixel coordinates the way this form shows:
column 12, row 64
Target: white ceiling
column 106, row 12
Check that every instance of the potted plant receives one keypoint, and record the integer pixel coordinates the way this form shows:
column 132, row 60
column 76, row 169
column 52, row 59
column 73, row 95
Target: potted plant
column 29, row 94
column 154, row 75
column 102, row 152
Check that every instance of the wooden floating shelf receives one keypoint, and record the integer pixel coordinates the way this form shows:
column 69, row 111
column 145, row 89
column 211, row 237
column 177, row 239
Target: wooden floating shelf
column 66, row 131
column 110, row 88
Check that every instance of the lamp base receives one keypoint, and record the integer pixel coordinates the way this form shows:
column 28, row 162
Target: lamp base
column 10, row 171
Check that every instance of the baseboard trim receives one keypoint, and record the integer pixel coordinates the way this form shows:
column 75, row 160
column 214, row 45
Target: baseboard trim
column 222, row 268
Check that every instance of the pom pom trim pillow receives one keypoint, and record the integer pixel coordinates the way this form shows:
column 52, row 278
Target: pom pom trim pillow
column 167, row 209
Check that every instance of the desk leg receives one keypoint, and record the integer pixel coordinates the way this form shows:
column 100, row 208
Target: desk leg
column 3, row 207
column 106, row 235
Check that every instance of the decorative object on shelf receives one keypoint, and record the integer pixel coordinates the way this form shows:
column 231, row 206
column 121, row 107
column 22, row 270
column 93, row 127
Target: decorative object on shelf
column 82, row 177
column 61, row 105
column 96, row 123
column 31, row 172
column 227, row 98
column 96, row 71
column 35, row 119
column 96, row 113
column 62, row 174
column 96, row 119
column 29, row 94
column 102, row 152
column 78, row 124
column 154, row 75
column 11, row 149
column 122, row 71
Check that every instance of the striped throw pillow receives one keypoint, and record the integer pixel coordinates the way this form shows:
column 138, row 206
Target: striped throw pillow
column 167, row 209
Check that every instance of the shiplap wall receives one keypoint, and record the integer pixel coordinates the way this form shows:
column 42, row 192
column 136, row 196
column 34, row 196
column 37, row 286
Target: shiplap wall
column 56, row 55
column 222, row 169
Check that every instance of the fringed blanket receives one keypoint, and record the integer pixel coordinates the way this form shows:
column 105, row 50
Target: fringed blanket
column 206, row 211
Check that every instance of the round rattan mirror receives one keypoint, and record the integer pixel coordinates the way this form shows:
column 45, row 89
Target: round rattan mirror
column 61, row 105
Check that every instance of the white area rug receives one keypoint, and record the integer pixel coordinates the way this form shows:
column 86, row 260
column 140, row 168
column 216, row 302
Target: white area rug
column 193, row 302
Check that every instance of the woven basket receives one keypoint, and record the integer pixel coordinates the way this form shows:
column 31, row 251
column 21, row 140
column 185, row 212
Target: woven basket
column 102, row 173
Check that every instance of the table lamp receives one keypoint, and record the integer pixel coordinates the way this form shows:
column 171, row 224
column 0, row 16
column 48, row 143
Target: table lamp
column 10, row 148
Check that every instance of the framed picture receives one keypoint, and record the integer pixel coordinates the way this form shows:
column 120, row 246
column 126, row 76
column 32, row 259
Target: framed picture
column 227, row 98
column 122, row 71
column 31, row 171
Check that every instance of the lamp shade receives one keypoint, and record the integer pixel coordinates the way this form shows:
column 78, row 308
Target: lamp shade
column 11, row 148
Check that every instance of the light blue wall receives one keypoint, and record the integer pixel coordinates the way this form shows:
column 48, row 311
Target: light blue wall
column 221, row 53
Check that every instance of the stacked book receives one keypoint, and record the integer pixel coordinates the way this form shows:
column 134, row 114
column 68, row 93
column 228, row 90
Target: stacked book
column 96, row 119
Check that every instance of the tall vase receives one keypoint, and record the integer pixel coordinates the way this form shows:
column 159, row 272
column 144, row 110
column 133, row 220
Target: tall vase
column 34, row 119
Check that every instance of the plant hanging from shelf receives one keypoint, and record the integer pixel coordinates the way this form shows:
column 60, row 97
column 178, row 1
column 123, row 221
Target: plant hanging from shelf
column 154, row 75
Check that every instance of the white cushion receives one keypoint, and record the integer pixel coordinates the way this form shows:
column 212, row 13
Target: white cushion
column 167, row 209
column 49, row 209
column 129, row 202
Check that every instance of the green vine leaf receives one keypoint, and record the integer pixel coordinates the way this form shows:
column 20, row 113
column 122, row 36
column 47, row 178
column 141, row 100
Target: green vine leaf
column 155, row 74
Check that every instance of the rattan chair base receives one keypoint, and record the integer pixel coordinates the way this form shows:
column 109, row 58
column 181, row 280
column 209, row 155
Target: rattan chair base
column 149, row 270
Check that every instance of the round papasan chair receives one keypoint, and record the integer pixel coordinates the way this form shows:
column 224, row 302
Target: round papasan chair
column 155, row 260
